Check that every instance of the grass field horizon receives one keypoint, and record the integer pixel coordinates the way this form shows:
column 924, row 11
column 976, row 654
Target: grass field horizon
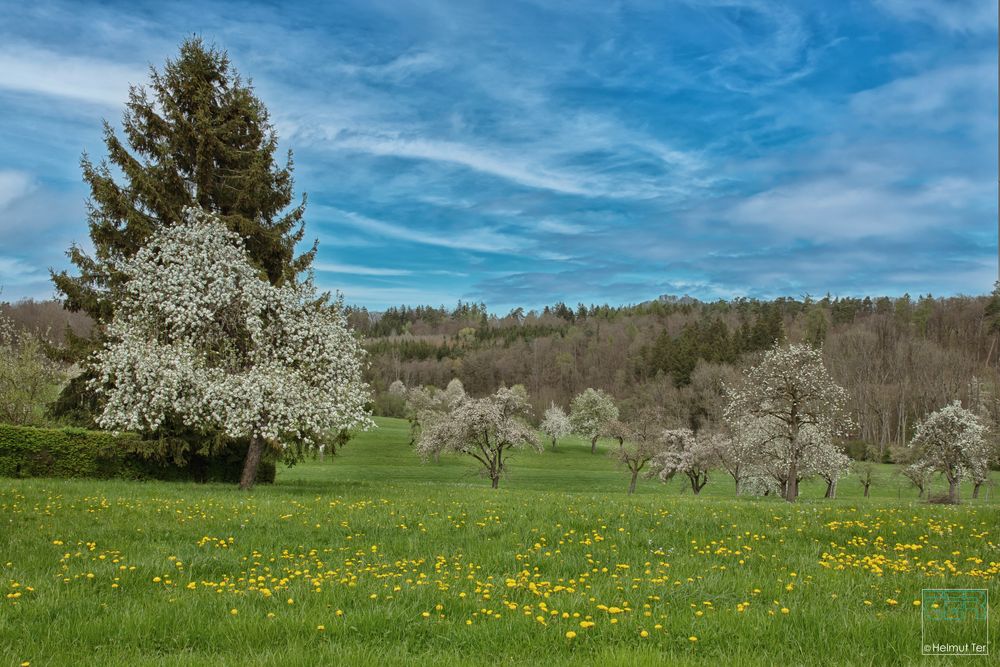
column 372, row 557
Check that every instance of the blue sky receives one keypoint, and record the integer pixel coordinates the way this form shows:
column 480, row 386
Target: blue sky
column 522, row 153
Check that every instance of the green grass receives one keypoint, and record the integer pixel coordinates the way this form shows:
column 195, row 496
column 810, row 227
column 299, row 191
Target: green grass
column 374, row 521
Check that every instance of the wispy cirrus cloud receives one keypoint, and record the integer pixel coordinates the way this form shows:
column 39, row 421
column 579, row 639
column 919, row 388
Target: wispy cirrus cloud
column 14, row 185
column 40, row 71
column 530, row 152
column 962, row 16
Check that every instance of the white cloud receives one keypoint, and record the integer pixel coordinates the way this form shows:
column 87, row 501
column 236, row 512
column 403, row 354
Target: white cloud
column 943, row 97
column 505, row 166
column 864, row 203
column 14, row 185
column 389, row 296
column 44, row 72
column 953, row 15
column 480, row 240
column 14, row 270
column 333, row 267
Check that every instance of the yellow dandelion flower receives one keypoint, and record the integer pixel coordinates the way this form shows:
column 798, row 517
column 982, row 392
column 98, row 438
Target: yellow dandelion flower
column 570, row 634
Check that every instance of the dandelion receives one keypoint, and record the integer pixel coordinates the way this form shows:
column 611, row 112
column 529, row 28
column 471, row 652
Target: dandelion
column 570, row 634
column 784, row 610
column 643, row 634
column 692, row 638
column 234, row 612
column 321, row 628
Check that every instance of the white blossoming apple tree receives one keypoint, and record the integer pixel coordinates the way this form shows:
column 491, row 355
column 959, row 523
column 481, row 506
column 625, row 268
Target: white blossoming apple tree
column 200, row 336
column 487, row 429
column 952, row 441
column 555, row 424
column 792, row 405
column 684, row 451
column 591, row 411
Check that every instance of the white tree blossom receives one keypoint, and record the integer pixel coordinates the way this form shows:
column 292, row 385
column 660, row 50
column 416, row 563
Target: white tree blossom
column 487, row 429
column 425, row 403
column 737, row 454
column 555, row 424
column 201, row 338
column 590, row 414
column 454, row 392
column 952, row 441
column 919, row 474
column 793, row 405
column 827, row 460
column 684, row 451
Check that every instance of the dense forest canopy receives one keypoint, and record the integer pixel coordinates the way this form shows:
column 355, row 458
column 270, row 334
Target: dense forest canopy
column 898, row 358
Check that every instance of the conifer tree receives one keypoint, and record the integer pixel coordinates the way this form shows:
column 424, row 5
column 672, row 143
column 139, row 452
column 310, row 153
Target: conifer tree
column 196, row 136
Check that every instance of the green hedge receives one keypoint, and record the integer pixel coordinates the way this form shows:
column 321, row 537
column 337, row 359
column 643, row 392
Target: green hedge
column 74, row 452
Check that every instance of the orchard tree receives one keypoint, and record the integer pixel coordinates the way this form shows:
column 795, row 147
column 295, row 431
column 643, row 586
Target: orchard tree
column 638, row 442
column 866, row 475
column 687, row 452
column 423, row 404
column 952, row 441
column 590, row 414
column 919, row 475
column 196, row 136
column 487, row 429
column 454, row 392
column 200, row 339
column 829, row 462
column 555, row 424
column 793, row 404
column 29, row 380
column 737, row 454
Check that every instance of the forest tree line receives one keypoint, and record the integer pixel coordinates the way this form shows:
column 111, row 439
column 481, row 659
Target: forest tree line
column 898, row 358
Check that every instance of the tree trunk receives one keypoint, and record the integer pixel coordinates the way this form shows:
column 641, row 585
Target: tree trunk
column 975, row 490
column 553, row 444
column 631, row 486
column 953, row 491
column 867, row 488
column 831, row 489
column 593, row 445
column 251, row 463
column 495, row 481
column 792, row 484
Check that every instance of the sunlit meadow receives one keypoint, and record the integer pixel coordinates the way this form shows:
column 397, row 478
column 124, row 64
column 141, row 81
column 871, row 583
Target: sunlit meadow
column 373, row 557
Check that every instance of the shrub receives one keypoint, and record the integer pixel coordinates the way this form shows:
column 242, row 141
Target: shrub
column 74, row 452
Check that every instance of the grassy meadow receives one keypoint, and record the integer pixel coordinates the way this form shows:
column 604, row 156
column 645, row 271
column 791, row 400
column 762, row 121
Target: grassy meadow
column 371, row 557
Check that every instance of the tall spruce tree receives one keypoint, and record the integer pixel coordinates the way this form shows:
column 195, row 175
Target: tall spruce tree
column 196, row 136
